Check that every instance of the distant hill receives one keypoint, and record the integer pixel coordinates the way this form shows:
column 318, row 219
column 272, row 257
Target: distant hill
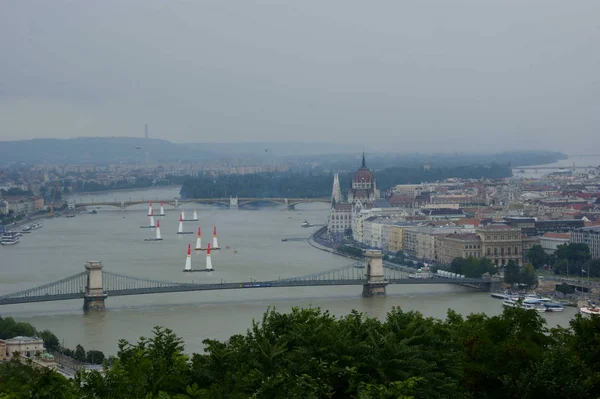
column 102, row 150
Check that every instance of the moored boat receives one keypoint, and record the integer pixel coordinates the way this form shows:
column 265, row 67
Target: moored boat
column 9, row 239
column 509, row 303
column 554, row 307
column 501, row 295
column 590, row 310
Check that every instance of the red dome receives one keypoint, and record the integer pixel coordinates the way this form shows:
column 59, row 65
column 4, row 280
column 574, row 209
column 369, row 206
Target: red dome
column 363, row 175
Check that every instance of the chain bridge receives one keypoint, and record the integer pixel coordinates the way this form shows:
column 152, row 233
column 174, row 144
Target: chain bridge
column 94, row 285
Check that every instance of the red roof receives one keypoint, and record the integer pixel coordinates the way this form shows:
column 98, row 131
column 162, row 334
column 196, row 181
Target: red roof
column 363, row 175
column 562, row 236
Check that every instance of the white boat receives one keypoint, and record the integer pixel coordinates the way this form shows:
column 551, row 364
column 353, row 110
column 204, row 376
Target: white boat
column 36, row 226
column 554, row 307
column 9, row 239
column 531, row 298
column 590, row 310
column 501, row 295
column 509, row 303
column 305, row 224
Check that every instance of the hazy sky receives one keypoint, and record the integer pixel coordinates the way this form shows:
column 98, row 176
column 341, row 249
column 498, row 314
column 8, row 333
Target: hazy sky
column 398, row 75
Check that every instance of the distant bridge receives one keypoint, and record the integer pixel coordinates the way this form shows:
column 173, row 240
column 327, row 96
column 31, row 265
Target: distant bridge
column 232, row 202
column 555, row 167
column 94, row 286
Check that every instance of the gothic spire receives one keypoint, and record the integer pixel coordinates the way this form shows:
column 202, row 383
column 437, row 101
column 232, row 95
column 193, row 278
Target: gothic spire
column 364, row 164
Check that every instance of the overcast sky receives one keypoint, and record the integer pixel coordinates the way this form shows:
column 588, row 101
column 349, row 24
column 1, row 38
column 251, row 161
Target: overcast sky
column 420, row 75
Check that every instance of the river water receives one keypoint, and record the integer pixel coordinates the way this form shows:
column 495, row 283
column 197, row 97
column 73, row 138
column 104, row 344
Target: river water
column 560, row 165
column 62, row 246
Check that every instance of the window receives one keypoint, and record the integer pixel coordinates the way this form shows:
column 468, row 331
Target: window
column 489, row 251
column 495, row 251
column 509, row 250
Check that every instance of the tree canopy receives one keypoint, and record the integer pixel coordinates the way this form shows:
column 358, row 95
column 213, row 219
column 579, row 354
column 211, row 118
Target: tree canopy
column 308, row 353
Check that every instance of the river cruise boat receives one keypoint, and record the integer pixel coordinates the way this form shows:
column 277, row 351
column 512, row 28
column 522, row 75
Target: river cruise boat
column 554, row 307
column 509, row 303
column 502, row 295
column 9, row 239
column 36, row 226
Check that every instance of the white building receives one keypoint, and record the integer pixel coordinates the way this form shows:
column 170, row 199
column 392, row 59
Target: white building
column 551, row 241
column 589, row 236
column 362, row 193
column 25, row 346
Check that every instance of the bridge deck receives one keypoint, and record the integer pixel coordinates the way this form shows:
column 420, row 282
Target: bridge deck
column 229, row 286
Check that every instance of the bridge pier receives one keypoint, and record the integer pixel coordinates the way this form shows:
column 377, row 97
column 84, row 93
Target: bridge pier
column 94, row 293
column 492, row 283
column 376, row 282
column 233, row 202
column 286, row 203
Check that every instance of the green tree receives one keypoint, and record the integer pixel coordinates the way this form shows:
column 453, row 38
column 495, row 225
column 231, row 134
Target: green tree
column 20, row 380
column 537, row 256
column 511, row 273
column 527, row 276
column 565, row 289
column 9, row 328
column 575, row 254
column 51, row 341
column 79, row 353
column 93, row 356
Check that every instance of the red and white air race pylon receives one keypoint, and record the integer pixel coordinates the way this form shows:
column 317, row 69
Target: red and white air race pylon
column 182, row 214
column 188, row 259
column 162, row 209
column 151, row 217
column 215, row 243
column 180, row 229
column 150, row 209
column 158, row 237
column 199, row 240
column 209, row 266
column 195, row 217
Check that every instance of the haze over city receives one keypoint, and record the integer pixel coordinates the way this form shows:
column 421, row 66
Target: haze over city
column 418, row 76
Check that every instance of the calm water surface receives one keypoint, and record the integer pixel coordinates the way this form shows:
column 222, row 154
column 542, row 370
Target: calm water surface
column 62, row 246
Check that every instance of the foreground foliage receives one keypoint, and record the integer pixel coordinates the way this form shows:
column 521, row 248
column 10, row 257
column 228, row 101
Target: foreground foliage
column 312, row 354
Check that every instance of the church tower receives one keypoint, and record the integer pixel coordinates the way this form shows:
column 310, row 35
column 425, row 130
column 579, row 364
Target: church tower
column 336, row 192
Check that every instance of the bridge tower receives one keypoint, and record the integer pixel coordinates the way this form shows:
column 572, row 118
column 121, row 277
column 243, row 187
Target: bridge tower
column 233, row 202
column 94, row 293
column 376, row 282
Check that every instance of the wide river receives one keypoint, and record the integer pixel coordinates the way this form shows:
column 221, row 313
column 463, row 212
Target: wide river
column 62, row 246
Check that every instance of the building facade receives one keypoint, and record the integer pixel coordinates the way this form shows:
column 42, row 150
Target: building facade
column 501, row 243
column 21, row 205
column 589, row 236
column 460, row 245
column 550, row 241
column 361, row 195
column 25, row 346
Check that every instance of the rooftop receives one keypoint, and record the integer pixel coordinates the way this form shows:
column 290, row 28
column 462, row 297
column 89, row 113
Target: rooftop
column 593, row 229
column 499, row 227
column 464, row 237
column 21, row 338
column 561, row 236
